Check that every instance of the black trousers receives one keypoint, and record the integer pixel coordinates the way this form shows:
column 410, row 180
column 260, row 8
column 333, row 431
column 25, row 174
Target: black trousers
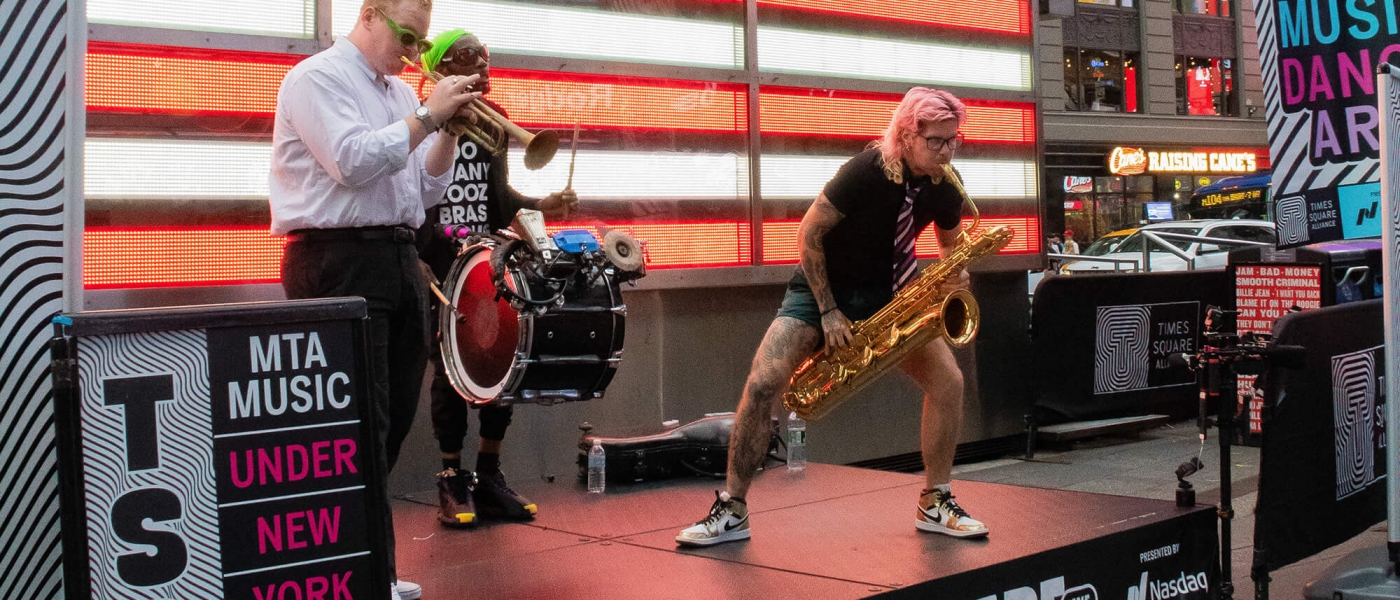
column 382, row 269
column 450, row 409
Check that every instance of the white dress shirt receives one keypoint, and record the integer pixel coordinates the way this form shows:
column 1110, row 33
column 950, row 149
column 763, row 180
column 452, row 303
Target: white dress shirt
column 340, row 155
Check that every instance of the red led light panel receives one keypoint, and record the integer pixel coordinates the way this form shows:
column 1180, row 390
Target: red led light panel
column 130, row 258
column 1006, row 16
column 135, row 258
column 799, row 112
column 780, row 238
column 687, row 244
column 131, row 82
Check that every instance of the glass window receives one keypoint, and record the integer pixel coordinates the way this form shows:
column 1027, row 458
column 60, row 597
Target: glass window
column 1104, row 185
column 1214, row 8
column 1141, row 184
column 1205, row 86
column 1101, row 80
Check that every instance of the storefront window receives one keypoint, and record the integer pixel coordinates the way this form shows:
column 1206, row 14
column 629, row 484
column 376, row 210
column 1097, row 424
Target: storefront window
column 1101, row 80
column 1214, row 8
column 1205, row 86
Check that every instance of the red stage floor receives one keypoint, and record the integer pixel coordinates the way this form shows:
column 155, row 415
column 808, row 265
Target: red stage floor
column 833, row 532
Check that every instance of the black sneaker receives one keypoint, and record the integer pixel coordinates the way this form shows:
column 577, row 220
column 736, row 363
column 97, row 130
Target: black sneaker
column 496, row 499
column 455, row 505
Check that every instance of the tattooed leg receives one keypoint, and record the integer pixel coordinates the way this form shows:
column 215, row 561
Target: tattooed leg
column 936, row 371
column 786, row 344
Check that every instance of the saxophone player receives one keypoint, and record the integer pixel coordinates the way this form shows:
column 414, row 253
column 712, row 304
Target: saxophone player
column 857, row 250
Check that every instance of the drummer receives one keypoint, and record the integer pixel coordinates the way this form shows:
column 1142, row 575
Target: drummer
column 480, row 200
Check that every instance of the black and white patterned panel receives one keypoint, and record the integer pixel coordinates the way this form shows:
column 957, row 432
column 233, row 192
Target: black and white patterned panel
column 1390, row 212
column 33, row 42
column 1121, row 348
column 126, row 466
column 1357, row 421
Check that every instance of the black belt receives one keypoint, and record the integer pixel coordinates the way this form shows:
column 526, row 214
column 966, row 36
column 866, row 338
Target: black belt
column 397, row 234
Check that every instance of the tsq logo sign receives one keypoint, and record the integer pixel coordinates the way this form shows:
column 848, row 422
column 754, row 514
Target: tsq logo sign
column 1132, row 343
column 1358, row 420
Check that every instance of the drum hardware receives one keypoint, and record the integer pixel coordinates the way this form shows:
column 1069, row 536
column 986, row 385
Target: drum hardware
column 551, row 394
column 496, row 351
column 588, row 359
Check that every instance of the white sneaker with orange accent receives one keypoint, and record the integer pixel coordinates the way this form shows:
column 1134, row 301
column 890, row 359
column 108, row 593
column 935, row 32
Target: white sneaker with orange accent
column 943, row 515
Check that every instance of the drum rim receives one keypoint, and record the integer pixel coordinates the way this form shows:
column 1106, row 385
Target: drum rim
column 451, row 363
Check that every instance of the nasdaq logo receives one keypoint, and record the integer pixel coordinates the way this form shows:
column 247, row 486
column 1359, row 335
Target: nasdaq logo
column 1360, row 206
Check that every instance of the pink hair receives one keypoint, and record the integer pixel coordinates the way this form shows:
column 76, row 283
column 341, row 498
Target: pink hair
column 920, row 105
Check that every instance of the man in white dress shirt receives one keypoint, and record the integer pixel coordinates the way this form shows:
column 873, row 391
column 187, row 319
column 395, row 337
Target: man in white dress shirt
column 355, row 161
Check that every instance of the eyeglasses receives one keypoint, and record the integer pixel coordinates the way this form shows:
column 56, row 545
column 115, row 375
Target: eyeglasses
column 408, row 38
column 937, row 143
column 468, row 55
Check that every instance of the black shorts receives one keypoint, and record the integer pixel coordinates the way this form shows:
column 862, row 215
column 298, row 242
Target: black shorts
column 857, row 304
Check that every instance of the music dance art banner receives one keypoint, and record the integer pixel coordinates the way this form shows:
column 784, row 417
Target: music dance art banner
column 1319, row 59
column 220, row 452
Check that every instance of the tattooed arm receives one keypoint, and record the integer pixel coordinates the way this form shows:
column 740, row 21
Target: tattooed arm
column 820, row 218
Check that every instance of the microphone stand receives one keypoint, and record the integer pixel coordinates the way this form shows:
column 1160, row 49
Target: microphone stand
column 1219, row 384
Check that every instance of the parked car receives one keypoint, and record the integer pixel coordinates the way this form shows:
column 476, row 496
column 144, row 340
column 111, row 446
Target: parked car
column 1202, row 255
column 1108, row 243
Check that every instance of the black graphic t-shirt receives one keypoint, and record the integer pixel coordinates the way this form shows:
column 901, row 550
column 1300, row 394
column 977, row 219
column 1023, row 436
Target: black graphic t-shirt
column 479, row 198
column 860, row 248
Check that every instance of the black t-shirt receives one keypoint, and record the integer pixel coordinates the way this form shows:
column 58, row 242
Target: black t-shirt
column 479, row 197
column 860, row 248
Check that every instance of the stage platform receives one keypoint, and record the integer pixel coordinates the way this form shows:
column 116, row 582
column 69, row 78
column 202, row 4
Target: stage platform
column 831, row 532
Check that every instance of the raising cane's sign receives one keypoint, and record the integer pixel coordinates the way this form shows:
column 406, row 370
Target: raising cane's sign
column 1135, row 161
column 1127, row 161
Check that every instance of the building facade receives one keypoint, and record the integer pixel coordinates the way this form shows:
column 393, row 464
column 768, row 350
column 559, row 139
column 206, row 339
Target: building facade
column 1144, row 102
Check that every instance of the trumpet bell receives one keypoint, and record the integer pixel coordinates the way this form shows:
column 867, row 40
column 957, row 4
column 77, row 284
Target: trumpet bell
column 540, row 149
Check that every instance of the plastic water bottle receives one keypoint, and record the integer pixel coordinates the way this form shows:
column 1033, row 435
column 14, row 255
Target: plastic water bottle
column 797, row 443
column 597, row 462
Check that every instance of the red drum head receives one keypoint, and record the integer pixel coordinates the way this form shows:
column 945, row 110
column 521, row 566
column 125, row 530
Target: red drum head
column 484, row 334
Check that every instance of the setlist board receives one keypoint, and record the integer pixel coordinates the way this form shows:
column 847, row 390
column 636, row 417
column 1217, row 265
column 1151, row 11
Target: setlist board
column 221, row 452
column 1263, row 293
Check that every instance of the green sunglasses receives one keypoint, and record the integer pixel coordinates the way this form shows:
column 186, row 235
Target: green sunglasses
column 408, row 38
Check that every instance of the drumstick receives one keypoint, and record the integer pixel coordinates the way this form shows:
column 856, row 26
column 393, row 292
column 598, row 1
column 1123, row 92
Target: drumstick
column 573, row 154
column 438, row 292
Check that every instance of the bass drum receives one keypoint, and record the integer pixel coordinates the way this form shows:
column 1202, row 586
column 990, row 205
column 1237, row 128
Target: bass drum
column 495, row 354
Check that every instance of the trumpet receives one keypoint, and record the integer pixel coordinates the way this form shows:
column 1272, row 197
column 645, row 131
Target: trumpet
column 491, row 129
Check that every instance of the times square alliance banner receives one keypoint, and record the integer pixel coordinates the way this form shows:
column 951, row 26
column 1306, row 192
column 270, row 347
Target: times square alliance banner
column 1319, row 61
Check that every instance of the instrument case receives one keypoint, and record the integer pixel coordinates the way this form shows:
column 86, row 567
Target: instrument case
column 699, row 448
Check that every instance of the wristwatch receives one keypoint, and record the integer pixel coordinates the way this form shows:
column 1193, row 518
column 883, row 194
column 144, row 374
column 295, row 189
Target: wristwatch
column 425, row 117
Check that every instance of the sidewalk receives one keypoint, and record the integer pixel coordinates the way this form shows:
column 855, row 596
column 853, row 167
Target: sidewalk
column 1145, row 467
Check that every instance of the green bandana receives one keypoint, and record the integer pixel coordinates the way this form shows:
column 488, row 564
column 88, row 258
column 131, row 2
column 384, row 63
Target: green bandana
column 441, row 44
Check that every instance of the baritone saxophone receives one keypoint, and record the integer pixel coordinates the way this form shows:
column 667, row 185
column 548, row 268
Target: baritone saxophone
column 918, row 314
